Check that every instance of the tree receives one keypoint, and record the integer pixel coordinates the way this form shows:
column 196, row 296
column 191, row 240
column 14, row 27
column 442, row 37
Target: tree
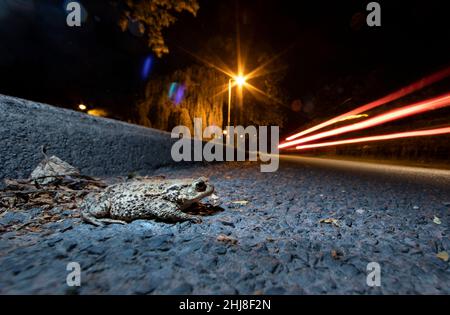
column 152, row 16
column 199, row 97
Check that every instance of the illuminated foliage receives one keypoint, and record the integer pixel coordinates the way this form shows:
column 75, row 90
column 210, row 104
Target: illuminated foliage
column 201, row 100
column 152, row 16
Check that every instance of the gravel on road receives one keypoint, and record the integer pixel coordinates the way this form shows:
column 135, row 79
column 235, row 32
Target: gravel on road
column 306, row 229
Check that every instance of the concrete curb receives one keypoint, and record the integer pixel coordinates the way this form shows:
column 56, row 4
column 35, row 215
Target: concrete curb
column 97, row 146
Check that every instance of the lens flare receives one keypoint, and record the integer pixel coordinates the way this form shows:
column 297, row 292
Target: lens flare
column 179, row 95
column 146, row 67
column 408, row 134
column 435, row 77
column 406, row 111
column 172, row 89
column 239, row 79
column 176, row 92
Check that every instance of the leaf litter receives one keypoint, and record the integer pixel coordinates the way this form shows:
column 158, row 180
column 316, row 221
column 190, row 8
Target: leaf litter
column 53, row 185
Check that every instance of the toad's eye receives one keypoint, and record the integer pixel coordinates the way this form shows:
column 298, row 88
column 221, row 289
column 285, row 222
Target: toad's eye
column 200, row 186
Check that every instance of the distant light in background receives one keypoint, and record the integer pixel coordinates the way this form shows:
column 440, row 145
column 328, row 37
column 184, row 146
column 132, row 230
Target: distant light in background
column 82, row 107
column 98, row 112
column 146, row 67
column 296, row 105
column 309, row 106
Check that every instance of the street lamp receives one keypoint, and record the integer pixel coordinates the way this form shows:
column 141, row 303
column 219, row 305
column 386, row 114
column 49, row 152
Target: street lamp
column 240, row 82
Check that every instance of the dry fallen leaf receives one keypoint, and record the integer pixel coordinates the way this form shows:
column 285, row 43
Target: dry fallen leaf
column 33, row 229
column 227, row 239
column 437, row 220
column 336, row 255
column 50, row 168
column 333, row 221
column 44, row 199
column 443, row 256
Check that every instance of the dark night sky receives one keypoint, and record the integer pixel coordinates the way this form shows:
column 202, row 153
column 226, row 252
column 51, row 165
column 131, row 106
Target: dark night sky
column 44, row 60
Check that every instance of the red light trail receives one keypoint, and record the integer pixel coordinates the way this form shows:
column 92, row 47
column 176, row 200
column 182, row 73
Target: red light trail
column 435, row 77
column 414, row 109
column 408, row 134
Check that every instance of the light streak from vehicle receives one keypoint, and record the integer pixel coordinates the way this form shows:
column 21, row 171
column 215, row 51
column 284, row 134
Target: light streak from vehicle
column 402, row 112
column 399, row 135
column 433, row 78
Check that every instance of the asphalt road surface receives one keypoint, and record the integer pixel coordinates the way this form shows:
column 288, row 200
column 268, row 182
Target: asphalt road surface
column 397, row 217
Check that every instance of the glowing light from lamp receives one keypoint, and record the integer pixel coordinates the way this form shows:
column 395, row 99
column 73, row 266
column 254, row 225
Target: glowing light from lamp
column 240, row 80
column 82, row 107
